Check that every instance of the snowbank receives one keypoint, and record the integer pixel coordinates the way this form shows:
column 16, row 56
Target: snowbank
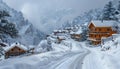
column 38, row 61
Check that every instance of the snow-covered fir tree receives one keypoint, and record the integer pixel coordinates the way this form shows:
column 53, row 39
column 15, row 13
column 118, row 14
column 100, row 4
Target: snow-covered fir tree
column 118, row 8
column 6, row 28
column 109, row 12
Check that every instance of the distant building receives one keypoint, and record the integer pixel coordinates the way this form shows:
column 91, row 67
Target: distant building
column 99, row 29
column 31, row 49
column 69, row 29
column 60, row 38
column 76, row 35
column 60, row 32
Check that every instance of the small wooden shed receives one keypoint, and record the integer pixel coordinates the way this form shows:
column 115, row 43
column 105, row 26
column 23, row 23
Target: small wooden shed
column 14, row 50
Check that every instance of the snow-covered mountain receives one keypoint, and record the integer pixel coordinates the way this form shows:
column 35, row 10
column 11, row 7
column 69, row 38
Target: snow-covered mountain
column 55, row 19
column 28, row 34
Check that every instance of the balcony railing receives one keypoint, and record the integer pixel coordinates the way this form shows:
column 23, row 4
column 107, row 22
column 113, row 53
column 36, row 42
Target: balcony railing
column 94, row 39
column 98, row 32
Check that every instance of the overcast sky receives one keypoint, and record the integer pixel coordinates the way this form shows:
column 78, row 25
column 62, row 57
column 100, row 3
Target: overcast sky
column 43, row 5
column 34, row 10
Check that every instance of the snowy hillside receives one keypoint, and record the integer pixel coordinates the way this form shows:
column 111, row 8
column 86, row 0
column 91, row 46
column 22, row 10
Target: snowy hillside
column 77, row 56
column 27, row 33
column 48, row 60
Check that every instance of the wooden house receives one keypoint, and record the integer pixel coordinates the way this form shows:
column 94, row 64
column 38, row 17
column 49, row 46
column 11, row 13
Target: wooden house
column 60, row 38
column 99, row 29
column 76, row 35
column 69, row 29
column 14, row 50
column 31, row 49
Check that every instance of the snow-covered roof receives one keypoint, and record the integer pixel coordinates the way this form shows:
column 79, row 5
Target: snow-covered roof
column 54, row 36
column 31, row 46
column 15, row 45
column 62, row 37
column 69, row 27
column 51, row 38
column 72, row 32
column 60, row 31
column 55, row 30
column 99, row 23
column 79, row 31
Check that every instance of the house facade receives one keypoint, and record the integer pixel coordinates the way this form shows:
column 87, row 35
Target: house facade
column 60, row 38
column 99, row 29
column 14, row 50
column 77, row 34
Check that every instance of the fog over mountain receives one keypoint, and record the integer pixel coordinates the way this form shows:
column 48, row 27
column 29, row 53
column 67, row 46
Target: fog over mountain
column 53, row 13
column 27, row 33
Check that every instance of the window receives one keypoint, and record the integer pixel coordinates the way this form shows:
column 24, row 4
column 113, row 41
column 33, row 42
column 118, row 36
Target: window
column 99, row 35
column 108, row 29
column 12, row 49
column 99, row 29
column 19, row 49
column 95, row 29
column 95, row 35
column 91, row 35
column 106, row 35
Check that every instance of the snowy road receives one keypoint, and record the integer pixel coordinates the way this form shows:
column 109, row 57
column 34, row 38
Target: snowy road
column 91, row 61
column 73, row 62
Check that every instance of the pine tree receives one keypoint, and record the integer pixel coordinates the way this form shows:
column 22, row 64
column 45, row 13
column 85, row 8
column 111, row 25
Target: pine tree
column 10, row 29
column 4, row 14
column 6, row 28
column 108, row 12
column 118, row 8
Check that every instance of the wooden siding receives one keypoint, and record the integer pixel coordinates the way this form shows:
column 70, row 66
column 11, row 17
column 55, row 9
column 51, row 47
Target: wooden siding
column 15, row 51
column 76, row 37
column 96, row 33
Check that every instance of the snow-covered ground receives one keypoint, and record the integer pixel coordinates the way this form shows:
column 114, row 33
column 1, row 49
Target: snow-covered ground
column 104, row 59
column 76, row 56
column 98, row 59
column 61, row 57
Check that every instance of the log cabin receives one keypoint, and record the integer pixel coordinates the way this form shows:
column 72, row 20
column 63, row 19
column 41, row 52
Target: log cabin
column 14, row 50
column 99, row 29
column 76, row 37
column 60, row 38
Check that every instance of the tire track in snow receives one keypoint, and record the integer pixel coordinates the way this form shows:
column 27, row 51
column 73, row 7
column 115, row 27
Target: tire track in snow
column 77, row 64
column 73, row 62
